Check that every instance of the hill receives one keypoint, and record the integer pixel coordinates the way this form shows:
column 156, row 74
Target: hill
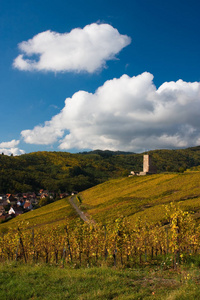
column 131, row 197
column 56, row 171
column 61, row 239
column 143, row 196
column 62, row 171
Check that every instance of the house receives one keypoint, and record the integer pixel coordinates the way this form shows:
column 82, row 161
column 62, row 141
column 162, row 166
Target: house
column 44, row 195
column 4, row 203
column 63, row 195
column 19, row 196
column 74, row 193
column 3, row 198
column 28, row 205
column 15, row 211
column 7, row 197
column 11, row 199
column 20, row 203
column 24, row 196
column 31, row 196
column 3, row 217
column 2, row 210
column 11, row 211
column 18, row 210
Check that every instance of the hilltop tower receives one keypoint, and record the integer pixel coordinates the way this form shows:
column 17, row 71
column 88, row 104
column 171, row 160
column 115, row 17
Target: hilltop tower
column 147, row 164
column 148, row 167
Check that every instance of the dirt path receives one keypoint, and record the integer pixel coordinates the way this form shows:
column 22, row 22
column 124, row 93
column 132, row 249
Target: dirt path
column 80, row 212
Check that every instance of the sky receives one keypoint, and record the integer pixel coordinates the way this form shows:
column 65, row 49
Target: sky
column 79, row 75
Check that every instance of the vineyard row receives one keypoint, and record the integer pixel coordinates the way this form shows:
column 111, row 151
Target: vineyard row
column 116, row 243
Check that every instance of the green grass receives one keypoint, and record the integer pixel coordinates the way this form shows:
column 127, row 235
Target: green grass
column 144, row 196
column 55, row 213
column 23, row 282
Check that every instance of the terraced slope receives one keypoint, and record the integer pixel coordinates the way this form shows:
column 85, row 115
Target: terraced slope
column 144, row 196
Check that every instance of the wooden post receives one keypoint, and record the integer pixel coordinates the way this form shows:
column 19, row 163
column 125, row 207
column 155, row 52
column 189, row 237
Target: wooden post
column 16, row 253
column 33, row 243
column 68, row 243
column 167, row 240
column 145, row 250
column 22, row 245
column 115, row 257
column 63, row 257
column 105, row 250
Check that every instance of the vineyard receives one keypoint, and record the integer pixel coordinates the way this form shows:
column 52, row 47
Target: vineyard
column 117, row 243
column 142, row 196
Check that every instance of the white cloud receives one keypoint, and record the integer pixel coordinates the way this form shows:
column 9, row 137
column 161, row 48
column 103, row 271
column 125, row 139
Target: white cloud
column 9, row 148
column 126, row 114
column 85, row 49
column 10, row 144
column 13, row 151
column 43, row 135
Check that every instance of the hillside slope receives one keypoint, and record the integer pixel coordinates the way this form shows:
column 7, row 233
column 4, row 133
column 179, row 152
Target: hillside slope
column 131, row 197
column 57, row 213
column 143, row 196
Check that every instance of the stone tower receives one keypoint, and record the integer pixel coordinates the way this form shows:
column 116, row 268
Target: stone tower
column 148, row 168
column 147, row 164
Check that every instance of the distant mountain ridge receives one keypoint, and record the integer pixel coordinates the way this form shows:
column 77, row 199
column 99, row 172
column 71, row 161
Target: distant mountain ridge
column 107, row 153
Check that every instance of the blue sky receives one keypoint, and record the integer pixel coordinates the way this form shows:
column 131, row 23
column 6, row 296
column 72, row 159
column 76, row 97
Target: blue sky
column 151, row 48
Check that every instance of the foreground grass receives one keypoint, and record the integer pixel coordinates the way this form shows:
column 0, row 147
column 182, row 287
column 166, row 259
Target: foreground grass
column 18, row 281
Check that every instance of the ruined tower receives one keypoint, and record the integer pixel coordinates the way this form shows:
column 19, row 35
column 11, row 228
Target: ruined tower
column 148, row 167
column 147, row 164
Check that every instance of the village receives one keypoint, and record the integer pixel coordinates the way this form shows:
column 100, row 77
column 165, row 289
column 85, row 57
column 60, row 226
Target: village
column 12, row 205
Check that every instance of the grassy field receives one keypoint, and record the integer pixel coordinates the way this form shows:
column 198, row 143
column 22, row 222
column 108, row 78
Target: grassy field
column 142, row 196
column 23, row 282
column 53, row 214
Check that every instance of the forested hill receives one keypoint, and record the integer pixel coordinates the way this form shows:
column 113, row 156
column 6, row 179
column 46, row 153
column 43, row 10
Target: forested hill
column 62, row 171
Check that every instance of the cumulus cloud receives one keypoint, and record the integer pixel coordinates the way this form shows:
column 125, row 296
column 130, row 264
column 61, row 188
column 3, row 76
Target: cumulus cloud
column 10, row 144
column 128, row 113
column 85, row 49
column 10, row 148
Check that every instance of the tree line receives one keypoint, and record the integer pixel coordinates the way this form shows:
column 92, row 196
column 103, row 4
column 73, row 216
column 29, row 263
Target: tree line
column 63, row 171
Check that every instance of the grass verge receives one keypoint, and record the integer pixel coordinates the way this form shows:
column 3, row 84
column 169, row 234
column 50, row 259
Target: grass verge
column 19, row 281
